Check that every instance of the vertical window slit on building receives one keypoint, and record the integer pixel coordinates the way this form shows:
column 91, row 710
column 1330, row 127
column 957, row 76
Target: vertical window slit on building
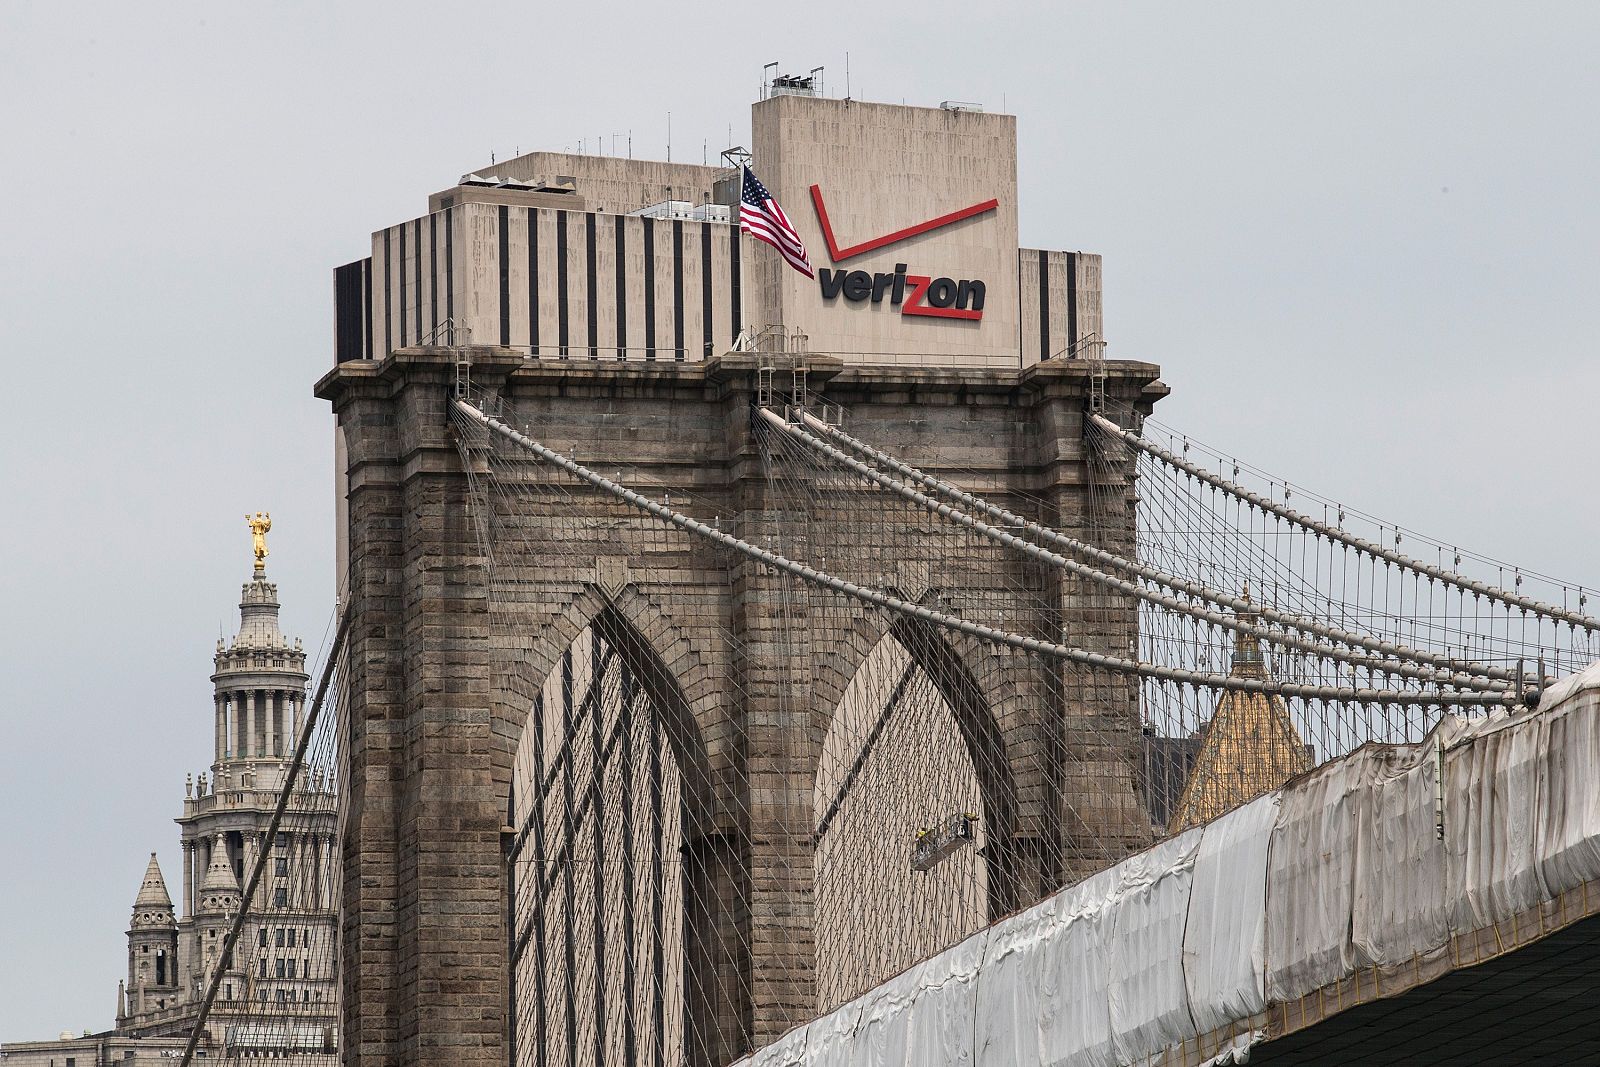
column 705, row 291
column 505, row 274
column 561, row 283
column 622, row 288
column 533, row 280
column 388, row 293
column 400, row 310
column 351, row 311
column 433, row 270
column 649, row 288
column 366, row 308
column 1044, row 304
column 416, row 234
column 677, row 290
column 737, row 298
column 591, row 286
column 449, row 264
column 1072, row 298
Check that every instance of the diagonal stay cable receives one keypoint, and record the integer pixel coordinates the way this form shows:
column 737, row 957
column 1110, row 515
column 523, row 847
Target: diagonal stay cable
column 959, row 625
column 871, row 742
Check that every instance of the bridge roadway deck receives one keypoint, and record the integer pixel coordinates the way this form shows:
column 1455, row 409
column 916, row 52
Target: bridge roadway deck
column 1539, row 1004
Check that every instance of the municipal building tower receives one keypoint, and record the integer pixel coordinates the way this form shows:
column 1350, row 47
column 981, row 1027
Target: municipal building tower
column 278, row 988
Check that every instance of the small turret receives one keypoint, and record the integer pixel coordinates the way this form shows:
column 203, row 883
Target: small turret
column 220, row 892
column 152, row 944
column 153, row 907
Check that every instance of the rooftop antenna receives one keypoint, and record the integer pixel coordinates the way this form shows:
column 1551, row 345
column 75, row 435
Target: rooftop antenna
column 630, row 144
column 847, row 75
column 705, row 148
column 669, row 137
column 766, row 80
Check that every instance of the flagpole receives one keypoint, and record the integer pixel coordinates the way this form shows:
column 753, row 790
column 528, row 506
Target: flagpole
column 738, row 204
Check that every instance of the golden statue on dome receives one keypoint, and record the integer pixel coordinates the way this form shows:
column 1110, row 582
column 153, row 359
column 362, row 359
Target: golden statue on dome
column 260, row 523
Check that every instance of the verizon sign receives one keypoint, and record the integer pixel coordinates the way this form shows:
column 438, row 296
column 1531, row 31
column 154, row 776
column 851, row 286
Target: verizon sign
column 912, row 294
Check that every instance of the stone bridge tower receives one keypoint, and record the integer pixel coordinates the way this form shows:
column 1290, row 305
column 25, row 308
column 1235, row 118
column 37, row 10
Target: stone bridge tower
column 437, row 710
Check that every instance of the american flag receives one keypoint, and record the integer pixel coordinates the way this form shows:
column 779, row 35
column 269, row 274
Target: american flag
column 762, row 218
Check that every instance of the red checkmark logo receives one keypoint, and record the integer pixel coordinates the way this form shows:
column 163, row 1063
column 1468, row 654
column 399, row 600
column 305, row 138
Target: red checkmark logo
column 839, row 255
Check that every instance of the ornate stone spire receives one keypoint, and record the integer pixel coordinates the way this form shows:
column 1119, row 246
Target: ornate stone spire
column 153, row 907
column 1251, row 745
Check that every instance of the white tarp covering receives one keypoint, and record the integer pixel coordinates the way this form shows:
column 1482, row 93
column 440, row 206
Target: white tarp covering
column 1042, row 994
column 1149, row 1000
column 1492, row 785
column 881, row 1036
column 1569, row 832
column 940, row 1033
column 1342, row 868
column 788, row 1051
column 1310, row 879
column 830, row 1040
column 1399, row 909
column 1224, row 945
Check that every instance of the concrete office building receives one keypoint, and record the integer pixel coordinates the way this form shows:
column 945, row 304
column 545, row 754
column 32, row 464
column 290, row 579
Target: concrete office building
column 592, row 257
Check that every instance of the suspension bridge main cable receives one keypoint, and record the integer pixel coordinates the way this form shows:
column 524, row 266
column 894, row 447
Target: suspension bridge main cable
column 950, row 622
column 1230, row 622
column 1334, row 533
column 1460, row 672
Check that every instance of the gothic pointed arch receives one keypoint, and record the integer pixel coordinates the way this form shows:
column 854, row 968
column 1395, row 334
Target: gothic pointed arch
column 978, row 682
column 617, row 838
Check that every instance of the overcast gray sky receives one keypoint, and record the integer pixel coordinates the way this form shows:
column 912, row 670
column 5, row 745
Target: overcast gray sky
column 1360, row 239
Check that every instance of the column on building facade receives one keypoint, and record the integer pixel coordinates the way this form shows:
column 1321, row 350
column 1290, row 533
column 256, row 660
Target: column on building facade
column 297, row 708
column 285, row 739
column 188, row 881
column 252, row 748
column 222, row 726
column 269, row 698
column 236, row 718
